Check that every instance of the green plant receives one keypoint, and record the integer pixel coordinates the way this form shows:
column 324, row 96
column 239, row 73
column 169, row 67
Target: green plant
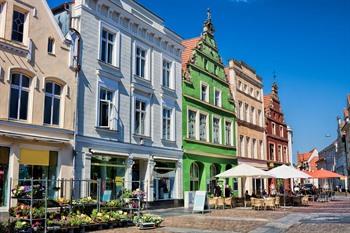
column 4, row 227
column 38, row 212
column 127, row 193
column 114, row 203
column 20, row 225
column 148, row 218
column 84, row 200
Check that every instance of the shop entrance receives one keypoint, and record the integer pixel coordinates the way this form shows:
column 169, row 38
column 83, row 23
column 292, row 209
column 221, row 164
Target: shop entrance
column 164, row 180
column 4, row 162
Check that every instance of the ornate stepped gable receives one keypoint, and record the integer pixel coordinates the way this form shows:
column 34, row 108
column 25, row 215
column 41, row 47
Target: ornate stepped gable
column 203, row 47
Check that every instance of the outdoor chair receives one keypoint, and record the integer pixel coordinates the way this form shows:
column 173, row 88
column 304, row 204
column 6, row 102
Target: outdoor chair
column 270, row 203
column 259, row 204
column 229, row 202
column 252, row 202
column 221, row 202
column 213, row 202
column 297, row 201
column 277, row 202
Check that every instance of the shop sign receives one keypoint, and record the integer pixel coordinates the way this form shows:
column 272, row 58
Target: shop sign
column 199, row 201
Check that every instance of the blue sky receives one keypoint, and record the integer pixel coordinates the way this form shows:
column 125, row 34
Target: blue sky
column 307, row 43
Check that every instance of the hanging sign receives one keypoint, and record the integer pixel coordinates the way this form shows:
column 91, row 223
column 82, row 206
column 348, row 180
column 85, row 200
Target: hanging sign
column 199, row 201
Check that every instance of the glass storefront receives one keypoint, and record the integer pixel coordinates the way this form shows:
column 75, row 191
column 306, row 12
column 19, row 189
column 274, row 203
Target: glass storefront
column 164, row 179
column 39, row 165
column 4, row 164
column 111, row 171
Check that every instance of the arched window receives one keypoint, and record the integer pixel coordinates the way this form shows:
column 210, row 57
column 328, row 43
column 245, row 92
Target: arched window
column 194, row 177
column 52, row 103
column 19, row 96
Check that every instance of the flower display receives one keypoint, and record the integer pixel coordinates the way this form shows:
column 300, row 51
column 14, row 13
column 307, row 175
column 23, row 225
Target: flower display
column 148, row 218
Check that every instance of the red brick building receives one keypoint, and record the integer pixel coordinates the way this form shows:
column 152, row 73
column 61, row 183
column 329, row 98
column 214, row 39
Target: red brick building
column 276, row 133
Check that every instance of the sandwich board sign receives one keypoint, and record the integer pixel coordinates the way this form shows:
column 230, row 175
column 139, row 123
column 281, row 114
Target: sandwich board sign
column 199, row 201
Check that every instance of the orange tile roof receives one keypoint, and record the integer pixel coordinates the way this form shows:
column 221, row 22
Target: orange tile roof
column 304, row 156
column 323, row 174
column 189, row 45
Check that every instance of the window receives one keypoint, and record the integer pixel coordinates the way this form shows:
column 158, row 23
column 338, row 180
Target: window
column 254, row 149
column 205, row 64
column 240, row 110
column 281, row 131
column 52, row 103
column 217, row 98
column 261, row 150
column 194, row 177
column 19, row 96
column 4, row 168
column 246, row 113
column 140, row 62
column 251, row 91
column 166, row 73
column 140, row 116
column 272, row 151
column 216, row 130
column 258, row 95
column 252, row 115
column 279, row 153
column 215, row 69
column 204, row 92
column 239, row 85
column 213, row 173
column 241, row 145
column 285, row 154
column 107, row 46
column 247, row 147
column 228, row 133
column 51, row 45
column 166, row 124
column 106, row 104
column 192, row 124
column 260, row 118
column 273, row 128
column 18, row 21
column 203, row 127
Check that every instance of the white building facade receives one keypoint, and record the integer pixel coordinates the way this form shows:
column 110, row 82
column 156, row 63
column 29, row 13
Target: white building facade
column 129, row 100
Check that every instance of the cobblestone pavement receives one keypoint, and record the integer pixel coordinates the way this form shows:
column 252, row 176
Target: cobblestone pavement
column 326, row 217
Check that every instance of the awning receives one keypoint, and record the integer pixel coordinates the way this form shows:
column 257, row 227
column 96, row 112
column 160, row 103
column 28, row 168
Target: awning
column 34, row 157
column 244, row 170
column 324, row 174
column 287, row 172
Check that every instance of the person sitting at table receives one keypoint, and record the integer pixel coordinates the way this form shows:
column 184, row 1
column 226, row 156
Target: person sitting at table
column 227, row 191
column 247, row 196
column 217, row 191
column 264, row 193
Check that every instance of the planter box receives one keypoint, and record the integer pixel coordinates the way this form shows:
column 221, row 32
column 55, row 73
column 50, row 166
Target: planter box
column 147, row 225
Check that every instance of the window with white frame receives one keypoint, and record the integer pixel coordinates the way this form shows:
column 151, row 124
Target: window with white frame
column 167, row 123
column 105, row 108
column 241, row 145
column 285, row 154
column 217, row 98
column 239, row 85
column 260, row 118
column 203, row 127
column 258, row 94
column 52, row 103
column 261, row 151
column 140, row 66
column 204, row 92
column 247, row 147
column 246, row 113
column 140, row 117
column 279, row 153
column 254, row 149
column 252, row 115
column 107, row 46
column 216, row 130
column 240, row 115
column 272, row 151
column 192, row 118
column 2, row 19
column 18, row 22
column 19, row 96
column 228, row 133
column 166, row 73
column 251, row 92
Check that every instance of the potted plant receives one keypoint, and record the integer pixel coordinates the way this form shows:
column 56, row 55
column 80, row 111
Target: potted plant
column 22, row 226
column 126, row 195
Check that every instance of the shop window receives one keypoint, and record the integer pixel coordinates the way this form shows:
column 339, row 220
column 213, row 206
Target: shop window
column 19, row 96
column 194, row 177
column 4, row 165
column 18, row 22
column 140, row 117
column 38, row 164
column 213, row 181
column 164, row 180
column 52, row 103
column 111, row 171
column 105, row 108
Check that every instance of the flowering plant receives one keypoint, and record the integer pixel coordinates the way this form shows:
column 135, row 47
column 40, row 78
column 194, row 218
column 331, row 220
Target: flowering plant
column 20, row 225
column 138, row 193
column 21, row 191
column 148, row 218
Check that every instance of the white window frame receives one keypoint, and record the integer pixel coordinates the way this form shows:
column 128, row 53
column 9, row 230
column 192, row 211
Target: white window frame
column 171, row 80
column 171, row 118
column 273, row 126
column 53, row 51
column 274, row 152
column 281, row 131
column 146, row 121
column 261, row 145
column 220, row 129
column 207, row 90
column 247, row 147
column 20, row 88
column 138, row 44
column 207, row 125
column 2, row 18
column 246, row 113
column 116, row 46
column 231, row 136
column 196, row 133
column 280, row 153
column 220, row 97
column 242, row 145
column 53, row 97
column 110, row 107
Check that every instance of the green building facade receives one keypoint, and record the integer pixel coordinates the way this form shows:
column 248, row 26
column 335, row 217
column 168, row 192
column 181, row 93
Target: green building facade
column 209, row 122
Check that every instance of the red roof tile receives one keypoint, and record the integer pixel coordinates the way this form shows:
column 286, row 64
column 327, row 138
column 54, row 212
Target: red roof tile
column 189, row 45
column 323, row 174
column 304, row 156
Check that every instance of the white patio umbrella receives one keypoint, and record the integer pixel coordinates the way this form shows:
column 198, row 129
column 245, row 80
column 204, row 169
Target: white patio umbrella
column 243, row 171
column 287, row 172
